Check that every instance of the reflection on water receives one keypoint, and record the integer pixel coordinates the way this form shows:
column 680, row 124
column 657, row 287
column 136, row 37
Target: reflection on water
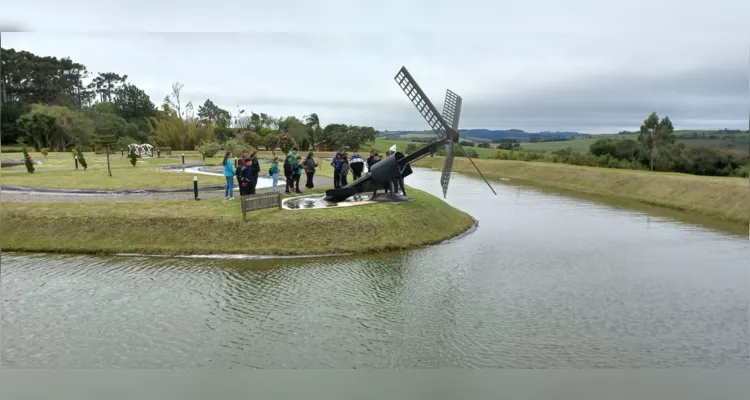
column 545, row 282
column 319, row 201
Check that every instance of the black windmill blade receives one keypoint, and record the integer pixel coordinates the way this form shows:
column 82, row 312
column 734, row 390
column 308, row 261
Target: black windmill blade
column 451, row 115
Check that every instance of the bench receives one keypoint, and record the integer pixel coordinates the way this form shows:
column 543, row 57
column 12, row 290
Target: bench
column 259, row 201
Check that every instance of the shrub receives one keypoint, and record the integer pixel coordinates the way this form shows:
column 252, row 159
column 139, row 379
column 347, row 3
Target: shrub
column 81, row 159
column 286, row 142
column 235, row 146
column 133, row 156
column 45, row 151
column 27, row 160
column 209, row 148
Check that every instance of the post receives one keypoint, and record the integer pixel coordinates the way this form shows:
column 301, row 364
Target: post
column 195, row 187
column 183, row 161
column 122, row 153
column 203, row 155
column 278, row 198
column 109, row 170
column 76, row 160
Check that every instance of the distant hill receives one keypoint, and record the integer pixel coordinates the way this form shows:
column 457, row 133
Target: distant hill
column 492, row 134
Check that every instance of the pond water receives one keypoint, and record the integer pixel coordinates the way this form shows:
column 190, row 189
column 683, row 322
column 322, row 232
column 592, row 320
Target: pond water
column 546, row 281
column 264, row 181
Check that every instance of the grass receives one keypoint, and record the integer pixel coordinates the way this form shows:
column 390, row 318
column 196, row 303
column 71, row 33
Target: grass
column 737, row 143
column 720, row 198
column 382, row 145
column 215, row 226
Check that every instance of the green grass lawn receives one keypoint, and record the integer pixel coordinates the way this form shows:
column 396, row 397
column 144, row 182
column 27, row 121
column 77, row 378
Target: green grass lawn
column 216, row 226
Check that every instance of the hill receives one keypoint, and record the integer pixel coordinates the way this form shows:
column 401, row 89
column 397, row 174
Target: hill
column 487, row 134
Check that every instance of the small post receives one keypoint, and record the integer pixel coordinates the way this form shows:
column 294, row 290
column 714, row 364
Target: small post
column 203, row 155
column 195, row 187
column 122, row 153
column 76, row 161
column 278, row 198
column 183, row 161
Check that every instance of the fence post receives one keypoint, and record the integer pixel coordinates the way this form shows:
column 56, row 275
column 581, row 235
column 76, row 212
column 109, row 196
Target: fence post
column 76, row 160
column 278, row 198
column 183, row 158
column 195, row 187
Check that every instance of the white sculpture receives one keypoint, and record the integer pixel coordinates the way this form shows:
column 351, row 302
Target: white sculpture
column 141, row 149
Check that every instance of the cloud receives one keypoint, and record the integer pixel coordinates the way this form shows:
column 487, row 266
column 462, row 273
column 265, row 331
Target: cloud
column 533, row 64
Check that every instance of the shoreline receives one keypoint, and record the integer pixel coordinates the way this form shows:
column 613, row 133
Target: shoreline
column 724, row 200
column 214, row 227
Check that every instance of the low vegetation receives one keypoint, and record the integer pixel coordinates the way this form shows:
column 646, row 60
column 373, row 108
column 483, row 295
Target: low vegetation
column 721, row 198
column 215, row 226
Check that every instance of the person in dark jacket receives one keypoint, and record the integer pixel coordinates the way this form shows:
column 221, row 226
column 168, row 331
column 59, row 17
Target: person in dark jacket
column 336, row 164
column 240, row 164
column 371, row 159
column 255, row 168
column 357, row 165
column 310, row 166
column 288, row 173
column 247, row 177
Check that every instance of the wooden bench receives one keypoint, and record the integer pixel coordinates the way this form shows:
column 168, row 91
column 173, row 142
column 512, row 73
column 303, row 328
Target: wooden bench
column 259, row 201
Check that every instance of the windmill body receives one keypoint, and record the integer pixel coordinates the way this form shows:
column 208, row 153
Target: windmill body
column 398, row 165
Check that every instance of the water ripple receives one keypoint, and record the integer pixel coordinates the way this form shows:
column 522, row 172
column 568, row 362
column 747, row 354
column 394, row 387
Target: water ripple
column 546, row 282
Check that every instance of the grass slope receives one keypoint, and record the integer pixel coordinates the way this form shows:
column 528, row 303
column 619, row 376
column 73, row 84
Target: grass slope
column 215, row 226
column 716, row 197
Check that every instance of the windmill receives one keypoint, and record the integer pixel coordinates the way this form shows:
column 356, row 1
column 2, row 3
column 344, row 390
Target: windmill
column 397, row 165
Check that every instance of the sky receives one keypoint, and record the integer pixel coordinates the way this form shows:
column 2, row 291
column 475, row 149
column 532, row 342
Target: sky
column 575, row 65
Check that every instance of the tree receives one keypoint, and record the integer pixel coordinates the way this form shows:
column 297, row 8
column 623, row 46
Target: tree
column 601, row 147
column 210, row 112
column 298, row 131
column 106, row 142
column 251, row 138
column 173, row 99
column 235, row 146
column 411, row 148
column 655, row 135
column 132, row 103
column 271, row 142
column 10, row 112
column 106, row 83
column 81, row 158
column 286, row 142
column 313, row 125
column 110, row 125
column 484, row 145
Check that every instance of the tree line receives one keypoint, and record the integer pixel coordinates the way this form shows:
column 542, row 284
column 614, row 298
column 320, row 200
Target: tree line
column 58, row 104
column 654, row 149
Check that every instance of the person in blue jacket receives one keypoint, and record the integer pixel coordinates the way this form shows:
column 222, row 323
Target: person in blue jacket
column 229, row 175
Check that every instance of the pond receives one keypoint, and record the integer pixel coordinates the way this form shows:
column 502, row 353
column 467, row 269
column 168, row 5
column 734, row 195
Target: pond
column 546, row 281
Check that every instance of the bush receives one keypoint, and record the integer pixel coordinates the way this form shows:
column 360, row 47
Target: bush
column 82, row 158
column 208, row 148
column 286, row 142
column 45, row 151
column 27, row 160
column 133, row 156
column 235, row 146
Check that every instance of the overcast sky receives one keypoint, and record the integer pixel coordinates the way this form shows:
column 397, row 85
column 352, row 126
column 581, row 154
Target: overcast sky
column 574, row 65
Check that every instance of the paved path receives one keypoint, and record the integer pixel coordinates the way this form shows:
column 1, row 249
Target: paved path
column 320, row 182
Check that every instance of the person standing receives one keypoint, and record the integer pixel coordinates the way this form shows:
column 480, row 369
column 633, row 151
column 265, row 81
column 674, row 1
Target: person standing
column 293, row 155
column 370, row 159
column 288, row 173
column 357, row 165
column 246, row 177
column 297, row 172
column 255, row 165
column 336, row 164
column 310, row 166
column 344, row 171
column 275, row 172
column 229, row 175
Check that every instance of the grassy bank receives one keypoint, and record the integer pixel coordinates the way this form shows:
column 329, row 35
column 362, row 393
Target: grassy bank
column 215, row 226
column 715, row 197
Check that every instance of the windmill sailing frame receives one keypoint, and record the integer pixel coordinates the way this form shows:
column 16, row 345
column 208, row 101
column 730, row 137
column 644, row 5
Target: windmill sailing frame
column 397, row 166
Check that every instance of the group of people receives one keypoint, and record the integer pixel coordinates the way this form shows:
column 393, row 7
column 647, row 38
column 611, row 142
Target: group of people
column 248, row 170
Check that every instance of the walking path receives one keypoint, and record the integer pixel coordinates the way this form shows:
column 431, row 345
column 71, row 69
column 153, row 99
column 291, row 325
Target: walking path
column 320, row 182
